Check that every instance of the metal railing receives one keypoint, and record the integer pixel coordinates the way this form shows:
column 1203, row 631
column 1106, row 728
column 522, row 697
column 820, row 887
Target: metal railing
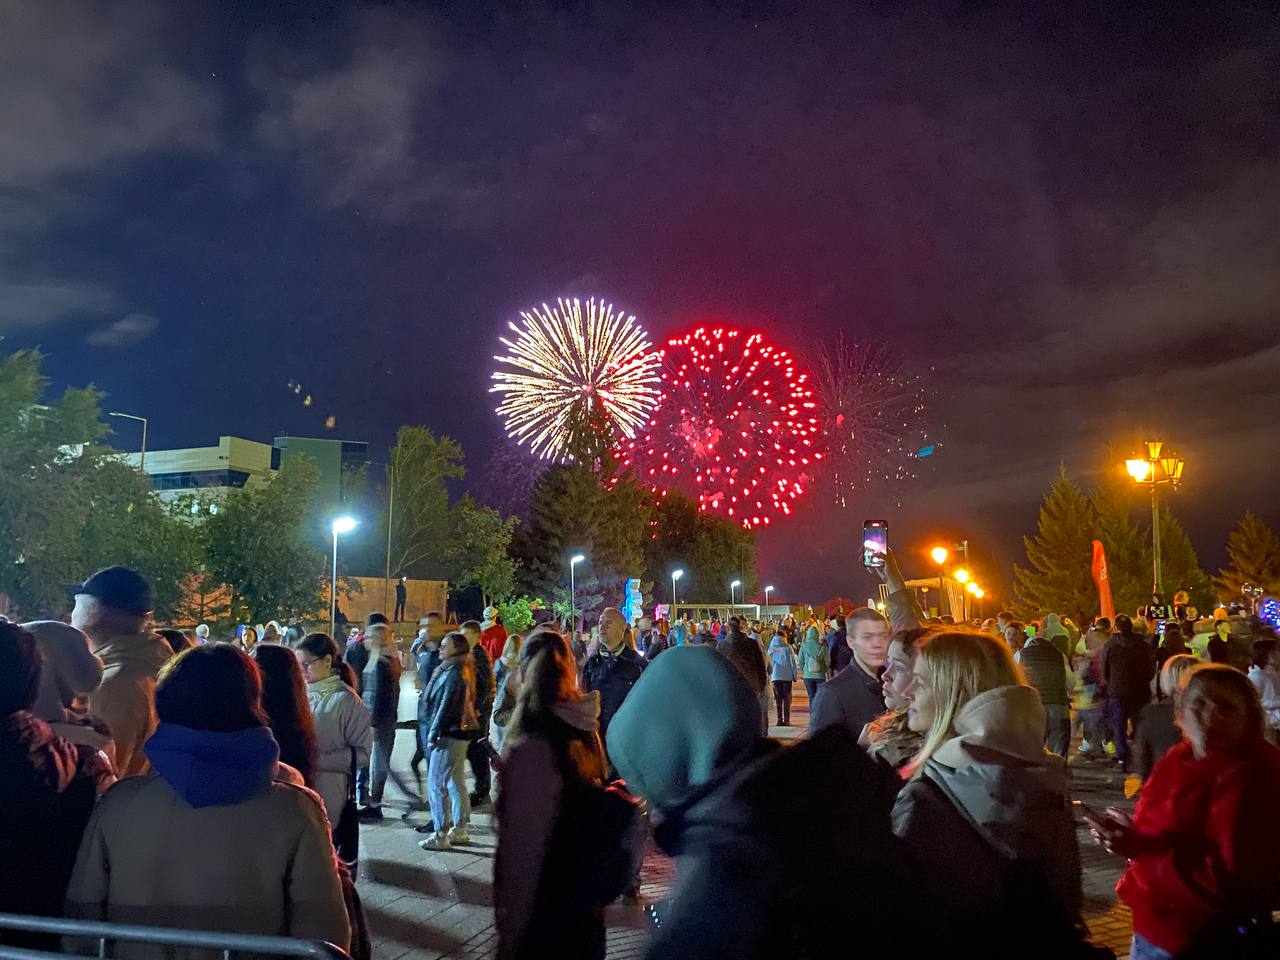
column 109, row 934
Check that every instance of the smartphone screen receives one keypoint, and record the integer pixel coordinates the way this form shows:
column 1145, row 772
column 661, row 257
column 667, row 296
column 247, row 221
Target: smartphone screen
column 875, row 541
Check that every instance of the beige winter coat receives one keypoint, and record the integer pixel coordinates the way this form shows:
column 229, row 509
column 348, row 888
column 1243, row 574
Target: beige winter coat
column 126, row 701
column 262, row 866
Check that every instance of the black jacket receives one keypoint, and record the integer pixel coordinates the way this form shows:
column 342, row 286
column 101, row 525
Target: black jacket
column 750, row 886
column 657, row 643
column 851, row 700
column 1128, row 664
column 485, row 687
column 1046, row 670
column 382, row 691
column 444, row 711
column 613, row 675
column 838, row 650
column 744, row 653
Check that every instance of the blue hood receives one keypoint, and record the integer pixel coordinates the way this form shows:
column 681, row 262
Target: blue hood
column 209, row 769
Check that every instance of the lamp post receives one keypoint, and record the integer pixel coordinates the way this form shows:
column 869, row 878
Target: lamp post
column 767, row 590
column 733, row 585
column 962, row 577
column 1155, row 470
column 337, row 525
column 675, row 575
column 939, row 555
column 576, row 559
column 142, row 457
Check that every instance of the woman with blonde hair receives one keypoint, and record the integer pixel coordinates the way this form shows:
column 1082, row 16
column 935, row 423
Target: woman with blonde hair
column 506, row 679
column 985, row 799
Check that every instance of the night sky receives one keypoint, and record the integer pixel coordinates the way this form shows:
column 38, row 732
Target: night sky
column 1071, row 214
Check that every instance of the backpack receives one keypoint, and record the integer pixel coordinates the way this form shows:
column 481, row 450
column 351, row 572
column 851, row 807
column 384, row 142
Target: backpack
column 606, row 827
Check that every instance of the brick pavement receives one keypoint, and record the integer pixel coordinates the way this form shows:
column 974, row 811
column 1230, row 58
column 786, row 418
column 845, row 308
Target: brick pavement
column 423, row 906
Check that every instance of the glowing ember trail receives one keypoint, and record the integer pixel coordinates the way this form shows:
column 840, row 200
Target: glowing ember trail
column 736, row 427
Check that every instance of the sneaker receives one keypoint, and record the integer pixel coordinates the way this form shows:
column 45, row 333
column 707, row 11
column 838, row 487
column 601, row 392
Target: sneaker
column 458, row 836
column 428, row 827
column 437, row 841
column 371, row 812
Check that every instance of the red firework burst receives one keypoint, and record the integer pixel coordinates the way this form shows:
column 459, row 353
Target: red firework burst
column 736, row 426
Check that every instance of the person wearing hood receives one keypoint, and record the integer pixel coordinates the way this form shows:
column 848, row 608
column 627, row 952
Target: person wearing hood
column 613, row 669
column 493, row 635
column 1056, row 633
column 814, row 661
column 211, row 840
column 985, row 799
column 477, row 749
column 553, row 757
column 112, row 608
column 450, row 719
column 1049, row 672
column 344, row 732
column 50, row 786
column 782, row 674
column 71, row 672
column 760, row 877
column 202, row 634
column 381, row 685
column 1128, row 664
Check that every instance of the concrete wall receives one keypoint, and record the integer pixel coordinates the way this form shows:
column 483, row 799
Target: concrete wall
column 425, row 596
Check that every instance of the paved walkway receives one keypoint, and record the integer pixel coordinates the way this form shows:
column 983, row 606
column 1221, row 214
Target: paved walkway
column 423, row 906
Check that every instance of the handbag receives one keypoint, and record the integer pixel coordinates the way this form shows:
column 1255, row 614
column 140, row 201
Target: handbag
column 346, row 833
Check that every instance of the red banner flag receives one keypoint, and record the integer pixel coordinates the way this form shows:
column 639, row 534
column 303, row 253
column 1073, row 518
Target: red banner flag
column 1103, row 581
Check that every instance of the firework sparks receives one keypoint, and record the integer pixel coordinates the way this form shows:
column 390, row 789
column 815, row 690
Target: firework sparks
column 872, row 416
column 576, row 375
column 736, row 427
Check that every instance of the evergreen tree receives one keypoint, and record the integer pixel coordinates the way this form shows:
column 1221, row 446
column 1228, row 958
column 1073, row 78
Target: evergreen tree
column 1058, row 579
column 711, row 549
column 1253, row 550
column 572, row 511
column 1180, row 566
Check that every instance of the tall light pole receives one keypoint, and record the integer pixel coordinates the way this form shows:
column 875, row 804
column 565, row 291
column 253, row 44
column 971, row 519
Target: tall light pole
column 576, row 559
column 939, row 555
column 142, row 457
column 767, row 590
column 962, row 578
column 337, row 525
column 733, row 585
column 1155, row 470
column 675, row 575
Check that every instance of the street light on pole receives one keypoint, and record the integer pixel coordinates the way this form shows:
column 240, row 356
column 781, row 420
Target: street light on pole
column 733, row 585
column 939, row 555
column 1155, row 470
column 142, row 457
column 675, row 575
column 337, row 525
column 576, row 559
column 767, row 590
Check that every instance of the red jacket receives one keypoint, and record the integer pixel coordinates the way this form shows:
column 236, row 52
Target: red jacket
column 1219, row 852
column 493, row 639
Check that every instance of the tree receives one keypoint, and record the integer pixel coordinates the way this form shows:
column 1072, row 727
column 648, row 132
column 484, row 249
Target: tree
column 1127, row 546
column 572, row 511
column 477, row 554
column 1059, row 579
column 69, row 505
column 1180, row 565
column 712, row 551
column 1253, row 550
column 417, row 468
column 268, row 545
column 517, row 613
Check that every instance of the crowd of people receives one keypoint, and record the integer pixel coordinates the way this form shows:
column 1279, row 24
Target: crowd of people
column 174, row 780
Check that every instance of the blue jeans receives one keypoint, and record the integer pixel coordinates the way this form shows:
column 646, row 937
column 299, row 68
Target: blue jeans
column 1143, row 949
column 371, row 780
column 446, row 766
